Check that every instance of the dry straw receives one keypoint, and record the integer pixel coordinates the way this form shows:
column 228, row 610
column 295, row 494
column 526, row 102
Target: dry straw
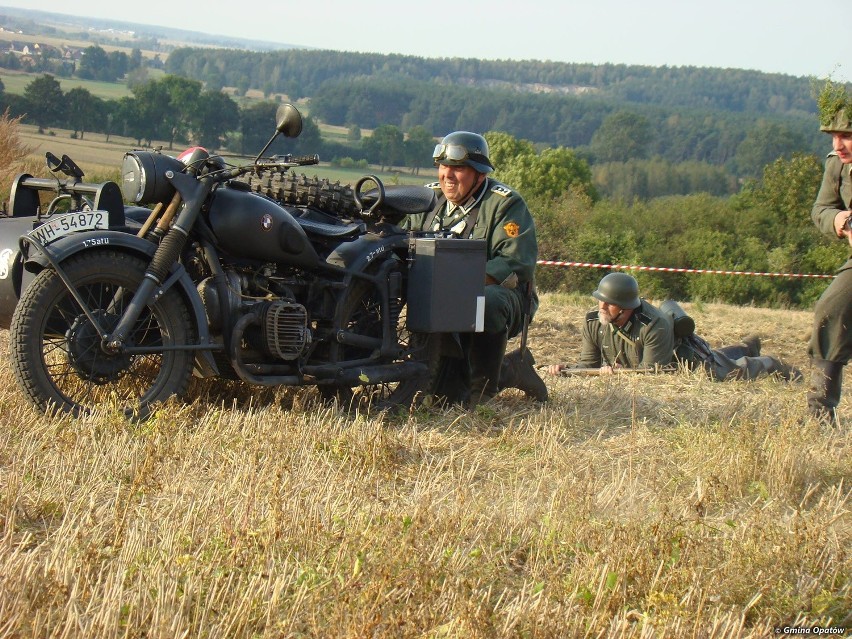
column 628, row 506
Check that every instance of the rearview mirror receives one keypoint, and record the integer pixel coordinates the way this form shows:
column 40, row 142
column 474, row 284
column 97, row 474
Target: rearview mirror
column 289, row 120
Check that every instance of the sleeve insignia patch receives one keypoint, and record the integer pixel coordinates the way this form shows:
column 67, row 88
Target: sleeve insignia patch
column 512, row 229
column 502, row 191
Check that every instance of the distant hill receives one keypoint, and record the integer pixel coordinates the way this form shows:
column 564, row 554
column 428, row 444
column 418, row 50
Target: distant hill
column 684, row 113
column 735, row 118
column 47, row 22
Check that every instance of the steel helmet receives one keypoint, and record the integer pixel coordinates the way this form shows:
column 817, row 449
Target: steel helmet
column 619, row 289
column 463, row 148
column 841, row 122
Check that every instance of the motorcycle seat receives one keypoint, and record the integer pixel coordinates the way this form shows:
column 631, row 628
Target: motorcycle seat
column 403, row 199
column 336, row 231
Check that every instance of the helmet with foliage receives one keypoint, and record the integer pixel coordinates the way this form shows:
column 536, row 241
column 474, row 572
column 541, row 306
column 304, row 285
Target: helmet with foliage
column 619, row 289
column 463, row 148
column 835, row 109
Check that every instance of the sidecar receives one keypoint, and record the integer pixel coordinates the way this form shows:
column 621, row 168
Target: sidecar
column 104, row 209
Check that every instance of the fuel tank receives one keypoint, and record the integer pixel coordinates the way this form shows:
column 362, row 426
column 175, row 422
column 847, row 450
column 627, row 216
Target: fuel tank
column 250, row 226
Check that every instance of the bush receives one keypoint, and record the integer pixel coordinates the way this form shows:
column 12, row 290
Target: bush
column 765, row 228
column 13, row 154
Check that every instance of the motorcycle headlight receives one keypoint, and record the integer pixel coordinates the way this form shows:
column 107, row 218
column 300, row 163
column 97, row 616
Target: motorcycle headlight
column 143, row 177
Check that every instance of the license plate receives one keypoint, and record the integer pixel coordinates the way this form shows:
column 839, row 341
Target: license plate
column 57, row 226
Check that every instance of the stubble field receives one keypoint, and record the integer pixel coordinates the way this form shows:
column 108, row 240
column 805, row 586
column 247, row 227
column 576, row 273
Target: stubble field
column 627, row 506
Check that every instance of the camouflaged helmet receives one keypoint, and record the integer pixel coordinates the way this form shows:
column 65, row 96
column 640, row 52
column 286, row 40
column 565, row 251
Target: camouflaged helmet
column 619, row 289
column 835, row 108
column 463, row 148
column 840, row 123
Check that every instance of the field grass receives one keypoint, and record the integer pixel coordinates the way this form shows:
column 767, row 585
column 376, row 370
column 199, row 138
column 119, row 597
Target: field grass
column 626, row 506
column 16, row 83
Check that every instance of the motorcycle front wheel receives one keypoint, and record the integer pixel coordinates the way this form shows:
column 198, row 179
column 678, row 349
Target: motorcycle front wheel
column 57, row 354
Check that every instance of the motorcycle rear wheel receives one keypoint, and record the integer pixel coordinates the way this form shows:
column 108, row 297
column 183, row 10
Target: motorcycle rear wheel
column 56, row 352
column 362, row 314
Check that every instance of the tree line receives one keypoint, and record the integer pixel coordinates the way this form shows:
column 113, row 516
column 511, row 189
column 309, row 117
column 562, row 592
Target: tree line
column 736, row 119
column 679, row 129
column 301, row 73
column 94, row 62
column 181, row 111
column 645, row 186
column 764, row 227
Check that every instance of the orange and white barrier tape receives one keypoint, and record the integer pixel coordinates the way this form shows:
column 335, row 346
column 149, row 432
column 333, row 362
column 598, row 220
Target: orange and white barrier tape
column 666, row 269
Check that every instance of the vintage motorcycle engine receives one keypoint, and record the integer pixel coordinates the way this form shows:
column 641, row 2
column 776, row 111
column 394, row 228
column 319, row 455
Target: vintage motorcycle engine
column 285, row 329
column 282, row 328
column 213, row 300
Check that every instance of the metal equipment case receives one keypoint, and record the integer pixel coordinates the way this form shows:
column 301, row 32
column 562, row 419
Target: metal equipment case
column 446, row 286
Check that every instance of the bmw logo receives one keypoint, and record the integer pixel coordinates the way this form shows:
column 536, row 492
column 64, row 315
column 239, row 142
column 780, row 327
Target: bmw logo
column 266, row 222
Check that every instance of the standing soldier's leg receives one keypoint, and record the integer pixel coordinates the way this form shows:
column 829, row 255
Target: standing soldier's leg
column 830, row 347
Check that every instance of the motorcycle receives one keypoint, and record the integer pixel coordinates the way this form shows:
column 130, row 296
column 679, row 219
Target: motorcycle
column 120, row 305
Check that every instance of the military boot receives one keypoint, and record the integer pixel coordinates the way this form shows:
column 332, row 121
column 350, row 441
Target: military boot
column 749, row 347
column 518, row 372
column 486, row 361
column 752, row 344
column 824, row 392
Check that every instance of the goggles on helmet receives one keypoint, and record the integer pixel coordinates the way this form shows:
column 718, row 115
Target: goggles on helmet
column 451, row 152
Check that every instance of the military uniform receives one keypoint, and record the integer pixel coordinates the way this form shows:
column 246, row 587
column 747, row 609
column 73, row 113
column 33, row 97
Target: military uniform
column 497, row 214
column 647, row 340
column 505, row 223
column 830, row 347
column 833, row 312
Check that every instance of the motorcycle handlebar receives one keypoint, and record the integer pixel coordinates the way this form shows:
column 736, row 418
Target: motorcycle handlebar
column 278, row 161
column 296, row 160
column 305, row 160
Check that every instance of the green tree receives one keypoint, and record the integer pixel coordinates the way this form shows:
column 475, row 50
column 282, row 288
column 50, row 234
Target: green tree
column 417, row 149
column 45, row 105
column 83, row 110
column 183, row 105
column 135, row 60
column 137, row 77
column 119, row 64
column 215, row 115
column 621, row 136
column 548, row 174
column 503, row 148
column 94, row 64
column 787, row 190
column 256, row 124
column 130, row 119
column 385, row 146
column 763, row 144
column 168, row 108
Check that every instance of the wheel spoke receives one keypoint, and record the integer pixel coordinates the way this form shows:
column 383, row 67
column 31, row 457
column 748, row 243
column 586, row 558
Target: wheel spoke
column 59, row 357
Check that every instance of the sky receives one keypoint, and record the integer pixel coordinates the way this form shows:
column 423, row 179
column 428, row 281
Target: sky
column 794, row 37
